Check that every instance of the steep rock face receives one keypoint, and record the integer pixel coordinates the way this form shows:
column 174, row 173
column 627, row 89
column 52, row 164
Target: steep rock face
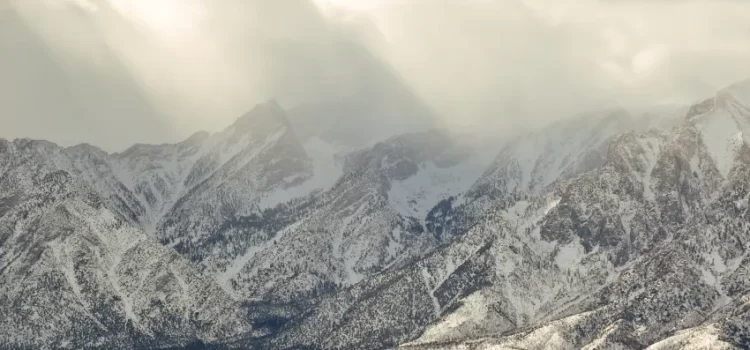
column 186, row 194
column 261, row 155
column 612, row 256
column 673, row 259
column 208, row 198
column 156, row 175
column 75, row 274
column 173, row 191
column 93, row 166
column 499, row 275
column 563, row 150
column 571, row 237
column 373, row 218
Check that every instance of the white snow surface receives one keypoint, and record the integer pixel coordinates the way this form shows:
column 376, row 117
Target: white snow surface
column 326, row 170
column 418, row 194
column 725, row 128
column 701, row 338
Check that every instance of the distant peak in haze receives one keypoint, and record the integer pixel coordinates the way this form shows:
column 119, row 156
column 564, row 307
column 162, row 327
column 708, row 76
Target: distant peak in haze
column 262, row 118
column 197, row 137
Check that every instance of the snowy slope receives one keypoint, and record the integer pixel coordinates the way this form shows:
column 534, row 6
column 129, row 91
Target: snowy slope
column 621, row 252
column 534, row 161
column 90, row 276
column 608, row 231
column 668, row 211
column 373, row 218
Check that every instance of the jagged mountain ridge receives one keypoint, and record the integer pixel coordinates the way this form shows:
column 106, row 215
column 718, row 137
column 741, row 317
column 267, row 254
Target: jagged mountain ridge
column 534, row 258
column 453, row 269
column 571, row 238
column 145, row 187
column 360, row 226
column 690, row 205
column 120, row 285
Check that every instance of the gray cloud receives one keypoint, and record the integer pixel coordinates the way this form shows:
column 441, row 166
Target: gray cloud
column 102, row 71
column 526, row 62
column 49, row 95
column 99, row 73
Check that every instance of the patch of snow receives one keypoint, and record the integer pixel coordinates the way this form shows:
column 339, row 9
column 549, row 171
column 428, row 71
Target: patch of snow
column 124, row 297
column 474, row 307
column 708, row 277
column 394, row 246
column 602, row 342
column 527, row 154
column 326, row 171
column 127, row 304
column 234, row 268
column 418, row 194
column 712, row 276
column 65, row 264
column 650, row 157
column 184, row 290
column 693, row 339
column 718, row 262
column 350, row 260
column 720, row 131
column 626, row 216
column 569, row 255
column 430, row 291
column 551, row 206
column 549, row 336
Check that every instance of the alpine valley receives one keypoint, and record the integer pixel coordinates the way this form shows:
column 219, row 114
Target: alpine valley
column 615, row 229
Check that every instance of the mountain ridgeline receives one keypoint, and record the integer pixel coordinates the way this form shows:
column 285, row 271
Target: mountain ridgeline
column 610, row 230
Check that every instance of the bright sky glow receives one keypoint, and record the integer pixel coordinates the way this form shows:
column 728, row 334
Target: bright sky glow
column 171, row 18
column 350, row 5
column 192, row 65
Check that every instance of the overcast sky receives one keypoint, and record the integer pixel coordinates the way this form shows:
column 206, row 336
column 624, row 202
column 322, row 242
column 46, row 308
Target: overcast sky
column 117, row 72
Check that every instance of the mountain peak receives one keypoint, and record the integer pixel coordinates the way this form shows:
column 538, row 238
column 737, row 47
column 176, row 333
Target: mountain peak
column 263, row 119
column 86, row 148
column 196, row 138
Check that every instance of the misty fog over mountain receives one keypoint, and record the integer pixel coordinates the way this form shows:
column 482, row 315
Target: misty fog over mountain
column 374, row 174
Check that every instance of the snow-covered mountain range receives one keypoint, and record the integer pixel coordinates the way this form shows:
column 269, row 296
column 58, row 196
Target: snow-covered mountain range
column 614, row 229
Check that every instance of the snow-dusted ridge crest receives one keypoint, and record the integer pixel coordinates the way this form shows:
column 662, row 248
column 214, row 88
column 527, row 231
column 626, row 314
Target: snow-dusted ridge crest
column 608, row 231
column 187, row 196
column 79, row 246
